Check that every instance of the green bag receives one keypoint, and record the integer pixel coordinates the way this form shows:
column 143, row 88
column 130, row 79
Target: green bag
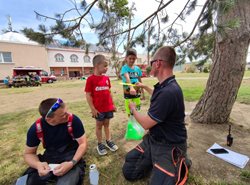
column 134, row 130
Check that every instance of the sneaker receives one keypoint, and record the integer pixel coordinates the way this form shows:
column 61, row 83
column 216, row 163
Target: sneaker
column 111, row 145
column 101, row 149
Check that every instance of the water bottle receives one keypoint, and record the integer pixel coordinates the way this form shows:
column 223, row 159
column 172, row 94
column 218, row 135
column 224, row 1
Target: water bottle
column 93, row 175
column 22, row 180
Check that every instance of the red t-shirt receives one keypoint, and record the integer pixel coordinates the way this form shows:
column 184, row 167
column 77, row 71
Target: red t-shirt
column 99, row 87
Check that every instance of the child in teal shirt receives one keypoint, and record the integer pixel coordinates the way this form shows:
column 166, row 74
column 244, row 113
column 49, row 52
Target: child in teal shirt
column 131, row 74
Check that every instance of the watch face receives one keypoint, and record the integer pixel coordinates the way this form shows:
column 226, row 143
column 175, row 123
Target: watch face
column 74, row 162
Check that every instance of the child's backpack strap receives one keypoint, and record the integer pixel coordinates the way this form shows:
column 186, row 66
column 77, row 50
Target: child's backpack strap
column 39, row 131
column 70, row 128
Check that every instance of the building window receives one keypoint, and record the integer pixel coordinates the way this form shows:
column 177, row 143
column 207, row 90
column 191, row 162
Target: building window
column 5, row 57
column 59, row 57
column 74, row 58
column 86, row 59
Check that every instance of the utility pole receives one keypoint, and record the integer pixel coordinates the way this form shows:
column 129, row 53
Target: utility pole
column 9, row 23
column 129, row 27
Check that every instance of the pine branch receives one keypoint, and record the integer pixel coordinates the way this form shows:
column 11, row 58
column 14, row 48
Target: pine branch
column 195, row 25
column 77, row 20
column 178, row 17
column 145, row 20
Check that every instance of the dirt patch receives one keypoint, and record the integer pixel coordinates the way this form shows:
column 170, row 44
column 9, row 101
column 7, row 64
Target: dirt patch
column 202, row 136
column 25, row 101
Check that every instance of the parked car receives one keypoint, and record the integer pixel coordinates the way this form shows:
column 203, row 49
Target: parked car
column 45, row 77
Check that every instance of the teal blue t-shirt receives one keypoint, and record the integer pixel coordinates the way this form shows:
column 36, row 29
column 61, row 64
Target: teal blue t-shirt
column 134, row 75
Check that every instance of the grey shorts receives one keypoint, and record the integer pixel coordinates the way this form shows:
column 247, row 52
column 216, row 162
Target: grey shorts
column 104, row 115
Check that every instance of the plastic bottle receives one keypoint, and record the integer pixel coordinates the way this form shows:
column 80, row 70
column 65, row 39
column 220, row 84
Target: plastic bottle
column 22, row 180
column 93, row 175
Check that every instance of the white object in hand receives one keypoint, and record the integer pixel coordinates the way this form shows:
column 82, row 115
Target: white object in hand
column 53, row 166
column 93, row 175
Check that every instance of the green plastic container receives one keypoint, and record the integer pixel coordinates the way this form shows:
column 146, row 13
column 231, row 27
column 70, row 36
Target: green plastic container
column 134, row 130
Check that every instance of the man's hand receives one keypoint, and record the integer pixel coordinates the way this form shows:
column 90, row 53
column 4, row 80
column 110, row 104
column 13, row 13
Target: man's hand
column 63, row 168
column 139, row 84
column 145, row 87
column 132, row 107
column 43, row 168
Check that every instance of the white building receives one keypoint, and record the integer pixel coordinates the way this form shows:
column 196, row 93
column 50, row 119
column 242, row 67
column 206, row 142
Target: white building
column 73, row 62
column 18, row 51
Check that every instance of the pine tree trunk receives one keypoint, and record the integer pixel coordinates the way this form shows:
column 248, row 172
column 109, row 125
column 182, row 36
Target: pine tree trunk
column 228, row 68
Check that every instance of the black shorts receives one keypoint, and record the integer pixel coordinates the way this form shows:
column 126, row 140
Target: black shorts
column 104, row 115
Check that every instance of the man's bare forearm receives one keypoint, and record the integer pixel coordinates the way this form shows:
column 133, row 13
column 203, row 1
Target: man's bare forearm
column 81, row 150
column 148, row 89
column 32, row 160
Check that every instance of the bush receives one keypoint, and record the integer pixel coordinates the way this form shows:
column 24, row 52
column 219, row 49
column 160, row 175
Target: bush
column 148, row 70
column 205, row 69
column 190, row 68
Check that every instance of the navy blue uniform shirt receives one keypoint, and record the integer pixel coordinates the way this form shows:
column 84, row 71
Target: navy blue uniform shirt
column 167, row 109
column 55, row 136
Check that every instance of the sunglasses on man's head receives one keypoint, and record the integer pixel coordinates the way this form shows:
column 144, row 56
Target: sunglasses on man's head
column 54, row 107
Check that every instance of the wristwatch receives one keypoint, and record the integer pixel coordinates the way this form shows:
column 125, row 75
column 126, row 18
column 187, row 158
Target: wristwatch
column 74, row 162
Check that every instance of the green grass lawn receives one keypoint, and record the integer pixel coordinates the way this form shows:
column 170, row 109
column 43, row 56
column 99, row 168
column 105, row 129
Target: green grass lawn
column 13, row 128
column 182, row 74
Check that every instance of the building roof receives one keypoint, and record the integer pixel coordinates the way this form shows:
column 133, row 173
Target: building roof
column 15, row 37
column 57, row 43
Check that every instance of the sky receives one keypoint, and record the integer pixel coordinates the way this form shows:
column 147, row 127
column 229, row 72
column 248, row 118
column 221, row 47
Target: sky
column 22, row 13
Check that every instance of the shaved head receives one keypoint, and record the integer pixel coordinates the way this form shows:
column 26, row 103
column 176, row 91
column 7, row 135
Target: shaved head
column 98, row 59
column 167, row 54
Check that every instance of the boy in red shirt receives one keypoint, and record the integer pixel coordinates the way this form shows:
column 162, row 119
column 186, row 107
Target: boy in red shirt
column 100, row 102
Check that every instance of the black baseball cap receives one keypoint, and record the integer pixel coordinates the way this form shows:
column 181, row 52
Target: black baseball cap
column 131, row 51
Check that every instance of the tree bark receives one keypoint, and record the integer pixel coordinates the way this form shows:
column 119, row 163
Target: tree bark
column 229, row 62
